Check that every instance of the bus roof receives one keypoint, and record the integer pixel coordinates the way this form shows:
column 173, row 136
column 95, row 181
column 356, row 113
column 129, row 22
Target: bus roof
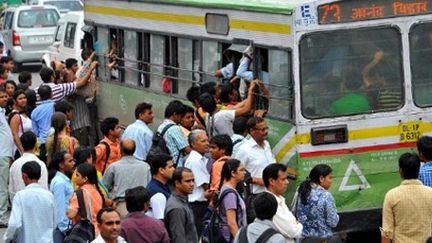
column 267, row 6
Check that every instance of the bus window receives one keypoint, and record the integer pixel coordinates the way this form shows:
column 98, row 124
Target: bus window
column 157, row 60
column 351, row 72
column 185, row 64
column 197, row 57
column 102, row 51
column 212, row 53
column 116, row 55
column 280, row 85
column 130, row 57
column 144, row 60
column 421, row 61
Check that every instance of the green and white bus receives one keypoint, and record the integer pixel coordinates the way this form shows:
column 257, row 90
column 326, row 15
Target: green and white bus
column 350, row 81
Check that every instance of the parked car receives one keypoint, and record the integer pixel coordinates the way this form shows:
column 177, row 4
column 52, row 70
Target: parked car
column 68, row 36
column 28, row 31
column 64, row 6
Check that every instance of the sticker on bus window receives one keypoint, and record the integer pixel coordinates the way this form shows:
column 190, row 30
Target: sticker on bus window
column 306, row 15
column 410, row 131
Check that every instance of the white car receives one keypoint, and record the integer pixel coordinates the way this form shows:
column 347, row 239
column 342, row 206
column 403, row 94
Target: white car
column 64, row 6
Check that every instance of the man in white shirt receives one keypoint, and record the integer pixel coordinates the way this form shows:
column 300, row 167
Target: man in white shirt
column 197, row 162
column 33, row 210
column 109, row 226
column 16, row 183
column 276, row 181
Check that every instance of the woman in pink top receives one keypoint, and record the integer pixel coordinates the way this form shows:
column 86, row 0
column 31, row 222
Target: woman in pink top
column 86, row 179
column 19, row 121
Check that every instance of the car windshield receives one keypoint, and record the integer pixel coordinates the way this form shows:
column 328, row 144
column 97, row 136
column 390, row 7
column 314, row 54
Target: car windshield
column 37, row 18
column 64, row 6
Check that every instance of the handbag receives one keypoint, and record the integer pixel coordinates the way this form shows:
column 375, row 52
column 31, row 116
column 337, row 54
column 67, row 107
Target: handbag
column 83, row 231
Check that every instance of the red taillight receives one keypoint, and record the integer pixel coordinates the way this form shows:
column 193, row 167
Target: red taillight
column 16, row 39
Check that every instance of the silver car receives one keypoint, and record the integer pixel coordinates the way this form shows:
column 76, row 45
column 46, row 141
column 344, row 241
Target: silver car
column 28, row 31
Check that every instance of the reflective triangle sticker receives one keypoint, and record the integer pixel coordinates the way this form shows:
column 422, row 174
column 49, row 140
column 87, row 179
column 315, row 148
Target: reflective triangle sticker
column 353, row 167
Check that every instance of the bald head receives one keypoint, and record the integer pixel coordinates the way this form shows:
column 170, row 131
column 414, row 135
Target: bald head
column 127, row 147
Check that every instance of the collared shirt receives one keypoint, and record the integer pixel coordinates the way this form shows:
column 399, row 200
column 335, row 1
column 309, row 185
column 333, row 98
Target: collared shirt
column 285, row 221
column 257, row 228
column 319, row 214
column 41, row 119
column 99, row 239
column 16, row 182
column 198, row 164
column 159, row 195
column 237, row 140
column 7, row 146
column 114, row 154
column 255, row 159
column 142, row 135
column 28, row 225
column 179, row 219
column 59, row 91
column 62, row 189
column 138, row 227
column 175, row 140
column 126, row 173
column 425, row 174
column 407, row 213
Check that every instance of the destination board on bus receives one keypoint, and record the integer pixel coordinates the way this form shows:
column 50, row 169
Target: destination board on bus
column 355, row 10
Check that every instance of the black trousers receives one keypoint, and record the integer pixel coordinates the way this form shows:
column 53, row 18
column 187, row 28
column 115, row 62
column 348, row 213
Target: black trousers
column 199, row 209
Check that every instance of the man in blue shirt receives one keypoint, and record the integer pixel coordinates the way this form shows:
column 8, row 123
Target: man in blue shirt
column 41, row 118
column 6, row 152
column 139, row 130
column 424, row 147
column 33, row 210
column 62, row 189
column 162, row 169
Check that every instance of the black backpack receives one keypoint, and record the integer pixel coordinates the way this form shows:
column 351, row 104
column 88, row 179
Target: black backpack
column 263, row 238
column 158, row 143
column 83, row 231
column 212, row 221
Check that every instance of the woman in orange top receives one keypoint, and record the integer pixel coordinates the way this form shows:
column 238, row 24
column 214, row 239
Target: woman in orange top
column 86, row 179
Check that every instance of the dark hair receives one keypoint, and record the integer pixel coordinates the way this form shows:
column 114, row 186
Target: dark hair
column 409, row 163
column 11, row 82
column 81, row 154
column 89, row 171
column 193, row 93
column 58, row 122
column 136, row 197
column 265, row 205
column 102, row 211
column 2, row 69
column 108, row 124
column 18, row 93
column 207, row 102
column 188, row 109
column 314, row 177
column 271, row 171
column 158, row 161
column 70, row 62
column 63, row 106
column 5, row 59
column 44, row 92
column 22, row 86
column 178, row 174
column 240, row 125
column 24, row 76
column 141, row 107
column 2, row 88
column 46, row 73
column 125, row 150
column 32, row 169
column 229, row 166
column 57, row 159
column 429, row 240
column 223, row 141
column 253, row 121
column 28, row 140
column 85, row 53
column 208, row 87
column 226, row 91
column 175, row 107
column 424, row 147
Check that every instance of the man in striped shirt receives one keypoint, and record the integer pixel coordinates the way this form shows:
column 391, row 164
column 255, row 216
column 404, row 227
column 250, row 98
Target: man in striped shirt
column 59, row 91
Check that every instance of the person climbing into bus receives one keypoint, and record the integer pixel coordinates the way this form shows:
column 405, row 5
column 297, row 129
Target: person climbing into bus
column 228, row 72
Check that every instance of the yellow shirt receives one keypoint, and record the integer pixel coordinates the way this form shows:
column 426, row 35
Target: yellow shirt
column 407, row 213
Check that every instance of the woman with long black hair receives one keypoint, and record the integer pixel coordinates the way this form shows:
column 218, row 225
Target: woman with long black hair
column 232, row 208
column 316, row 207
